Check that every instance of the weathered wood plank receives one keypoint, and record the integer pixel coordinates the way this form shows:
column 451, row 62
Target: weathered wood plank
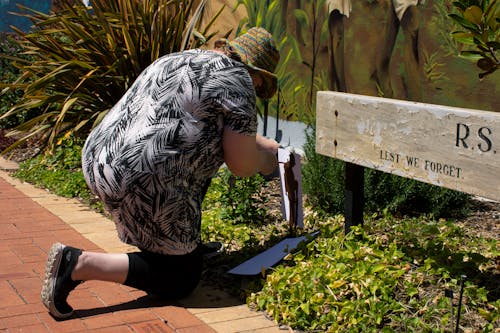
column 446, row 146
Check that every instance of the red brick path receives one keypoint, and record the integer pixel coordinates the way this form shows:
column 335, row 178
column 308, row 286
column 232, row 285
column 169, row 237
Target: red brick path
column 27, row 231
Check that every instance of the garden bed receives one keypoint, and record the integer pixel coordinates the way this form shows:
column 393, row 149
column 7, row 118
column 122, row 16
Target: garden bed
column 421, row 288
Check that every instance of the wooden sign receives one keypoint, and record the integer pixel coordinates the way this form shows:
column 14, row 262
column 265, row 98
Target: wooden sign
column 445, row 146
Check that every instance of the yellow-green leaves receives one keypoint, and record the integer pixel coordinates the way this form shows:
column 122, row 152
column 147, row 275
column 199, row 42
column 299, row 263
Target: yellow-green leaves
column 481, row 20
column 388, row 276
column 474, row 14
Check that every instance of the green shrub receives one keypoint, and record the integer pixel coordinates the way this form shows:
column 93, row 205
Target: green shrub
column 335, row 284
column 324, row 181
column 9, row 47
column 60, row 172
column 237, row 197
column 323, row 178
column 84, row 60
column 387, row 276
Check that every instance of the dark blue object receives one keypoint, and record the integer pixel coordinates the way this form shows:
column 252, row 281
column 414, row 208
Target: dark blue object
column 7, row 19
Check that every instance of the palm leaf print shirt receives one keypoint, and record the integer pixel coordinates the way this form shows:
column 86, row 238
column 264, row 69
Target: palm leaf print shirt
column 152, row 156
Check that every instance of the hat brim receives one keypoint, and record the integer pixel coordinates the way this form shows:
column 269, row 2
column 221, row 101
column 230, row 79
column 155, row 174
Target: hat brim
column 269, row 82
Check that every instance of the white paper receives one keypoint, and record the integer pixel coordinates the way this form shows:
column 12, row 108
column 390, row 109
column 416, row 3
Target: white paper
column 271, row 256
column 284, row 156
column 268, row 258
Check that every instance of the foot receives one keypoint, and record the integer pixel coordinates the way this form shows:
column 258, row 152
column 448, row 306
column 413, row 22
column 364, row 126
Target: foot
column 58, row 283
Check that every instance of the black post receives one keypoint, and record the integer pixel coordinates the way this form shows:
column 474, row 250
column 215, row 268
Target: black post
column 354, row 196
column 278, row 133
column 462, row 283
column 266, row 114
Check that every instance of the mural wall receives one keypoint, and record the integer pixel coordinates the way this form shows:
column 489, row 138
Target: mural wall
column 395, row 48
column 7, row 7
column 403, row 49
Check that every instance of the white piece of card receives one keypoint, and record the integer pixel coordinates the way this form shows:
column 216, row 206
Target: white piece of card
column 269, row 257
column 284, row 156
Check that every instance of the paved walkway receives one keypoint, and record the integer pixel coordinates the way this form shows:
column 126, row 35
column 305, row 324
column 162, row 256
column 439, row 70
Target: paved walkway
column 31, row 220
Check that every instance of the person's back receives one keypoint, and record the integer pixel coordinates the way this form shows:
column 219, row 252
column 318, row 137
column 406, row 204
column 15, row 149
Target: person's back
column 157, row 149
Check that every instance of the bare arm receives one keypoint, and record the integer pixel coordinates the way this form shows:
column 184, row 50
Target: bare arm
column 246, row 155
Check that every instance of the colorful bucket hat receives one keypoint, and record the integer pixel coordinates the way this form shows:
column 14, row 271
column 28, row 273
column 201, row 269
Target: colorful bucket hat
column 257, row 50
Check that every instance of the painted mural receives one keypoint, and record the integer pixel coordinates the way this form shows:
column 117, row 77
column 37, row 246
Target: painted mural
column 421, row 60
column 8, row 7
column 393, row 48
column 401, row 49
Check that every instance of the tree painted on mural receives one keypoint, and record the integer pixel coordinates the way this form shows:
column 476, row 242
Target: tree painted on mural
column 480, row 20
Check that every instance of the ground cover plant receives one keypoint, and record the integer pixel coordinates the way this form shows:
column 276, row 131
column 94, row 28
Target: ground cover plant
column 60, row 172
column 393, row 275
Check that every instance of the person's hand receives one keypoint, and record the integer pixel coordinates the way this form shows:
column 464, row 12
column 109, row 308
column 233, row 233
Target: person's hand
column 269, row 162
column 267, row 144
column 269, row 150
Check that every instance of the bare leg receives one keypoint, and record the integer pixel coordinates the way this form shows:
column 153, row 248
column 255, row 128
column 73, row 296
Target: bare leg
column 67, row 267
column 381, row 75
column 112, row 267
column 336, row 53
column 410, row 26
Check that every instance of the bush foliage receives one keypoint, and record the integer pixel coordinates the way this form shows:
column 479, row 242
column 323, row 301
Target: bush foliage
column 59, row 171
column 480, row 20
column 84, row 59
column 9, row 47
column 387, row 276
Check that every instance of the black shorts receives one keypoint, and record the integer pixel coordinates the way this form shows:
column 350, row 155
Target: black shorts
column 169, row 276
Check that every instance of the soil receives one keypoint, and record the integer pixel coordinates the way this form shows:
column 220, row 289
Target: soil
column 484, row 219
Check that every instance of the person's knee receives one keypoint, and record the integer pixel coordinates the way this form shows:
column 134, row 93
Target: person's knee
column 175, row 292
column 169, row 277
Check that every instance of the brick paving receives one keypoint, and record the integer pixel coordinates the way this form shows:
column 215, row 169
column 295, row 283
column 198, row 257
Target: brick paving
column 31, row 223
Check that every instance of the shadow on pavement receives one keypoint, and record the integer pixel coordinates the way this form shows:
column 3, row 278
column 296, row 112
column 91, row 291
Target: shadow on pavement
column 202, row 297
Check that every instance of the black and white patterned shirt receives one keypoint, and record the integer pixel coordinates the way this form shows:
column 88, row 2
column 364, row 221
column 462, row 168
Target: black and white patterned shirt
column 152, row 156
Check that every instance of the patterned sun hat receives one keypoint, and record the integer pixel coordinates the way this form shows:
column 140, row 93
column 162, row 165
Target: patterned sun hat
column 257, row 50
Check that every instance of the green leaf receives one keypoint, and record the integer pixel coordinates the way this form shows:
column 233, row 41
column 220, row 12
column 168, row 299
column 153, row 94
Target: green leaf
column 301, row 17
column 296, row 50
column 459, row 5
column 464, row 23
column 486, row 64
column 494, row 45
column 474, row 14
column 378, row 268
column 306, row 308
column 337, row 284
